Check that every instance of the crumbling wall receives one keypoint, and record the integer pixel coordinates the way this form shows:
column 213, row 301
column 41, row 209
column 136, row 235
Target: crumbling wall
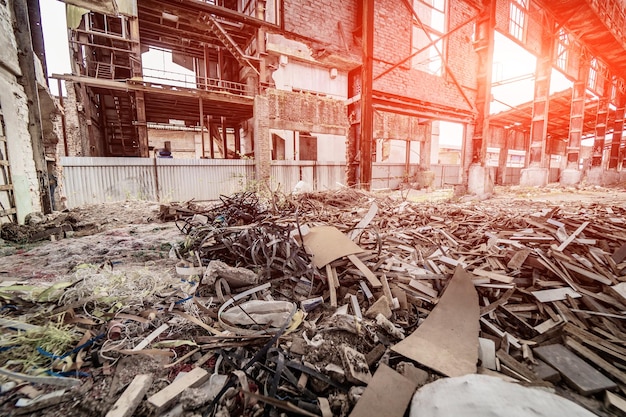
column 306, row 112
column 75, row 123
column 14, row 104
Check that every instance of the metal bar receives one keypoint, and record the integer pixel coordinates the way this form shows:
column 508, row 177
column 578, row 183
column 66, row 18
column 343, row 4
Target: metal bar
column 431, row 43
column 367, row 116
column 201, row 125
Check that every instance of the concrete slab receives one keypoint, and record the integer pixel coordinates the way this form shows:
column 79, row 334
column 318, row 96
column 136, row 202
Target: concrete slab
column 570, row 176
column 480, row 180
column 534, row 177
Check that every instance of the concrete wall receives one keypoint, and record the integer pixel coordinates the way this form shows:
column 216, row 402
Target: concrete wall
column 14, row 104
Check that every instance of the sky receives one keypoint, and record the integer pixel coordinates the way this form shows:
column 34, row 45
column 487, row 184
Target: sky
column 55, row 39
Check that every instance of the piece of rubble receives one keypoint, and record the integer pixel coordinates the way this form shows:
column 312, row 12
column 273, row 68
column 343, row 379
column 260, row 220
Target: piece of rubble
column 381, row 306
column 236, row 277
column 355, row 365
column 194, row 398
column 418, row 376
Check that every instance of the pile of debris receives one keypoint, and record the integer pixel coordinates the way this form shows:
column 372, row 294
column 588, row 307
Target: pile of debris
column 318, row 304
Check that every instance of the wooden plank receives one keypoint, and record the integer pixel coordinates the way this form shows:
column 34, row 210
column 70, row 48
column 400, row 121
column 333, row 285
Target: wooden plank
column 518, row 259
column 555, row 294
column 331, row 286
column 369, row 275
column 447, row 341
column 128, row 402
column 516, row 366
column 577, row 373
column 501, row 301
column 389, row 394
column 387, row 290
column 615, row 403
column 145, row 342
column 588, row 274
column 620, row 254
column 569, row 240
column 431, row 292
column 492, row 275
column 592, row 357
column 164, row 398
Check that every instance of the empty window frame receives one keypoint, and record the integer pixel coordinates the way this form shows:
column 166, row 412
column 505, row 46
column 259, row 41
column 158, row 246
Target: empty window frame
column 597, row 80
column 518, row 12
column 432, row 15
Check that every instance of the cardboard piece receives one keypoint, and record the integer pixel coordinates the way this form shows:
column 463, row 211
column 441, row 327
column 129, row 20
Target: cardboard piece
column 447, row 341
column 327, row 243
column 388, row 395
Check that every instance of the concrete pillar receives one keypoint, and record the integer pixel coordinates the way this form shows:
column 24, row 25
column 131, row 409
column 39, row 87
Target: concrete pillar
column 571, row 175
column 538, row 171
column 26, row 58
column 367, row 112
column 618, row 128
column 503, row 156
column 262, row 140
column 478, row 179
column 596, row 173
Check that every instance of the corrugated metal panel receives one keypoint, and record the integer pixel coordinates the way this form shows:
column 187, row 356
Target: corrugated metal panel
column 202, row 179
column 98, row 180
column 285, row 175
column 386, row 175
column 330, row 175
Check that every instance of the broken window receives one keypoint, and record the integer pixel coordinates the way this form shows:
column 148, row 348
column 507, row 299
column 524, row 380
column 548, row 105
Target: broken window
column 562, row 50
column 428, row 30
column 518, row 9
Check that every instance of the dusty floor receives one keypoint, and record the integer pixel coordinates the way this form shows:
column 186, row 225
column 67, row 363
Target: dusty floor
column 130, row 238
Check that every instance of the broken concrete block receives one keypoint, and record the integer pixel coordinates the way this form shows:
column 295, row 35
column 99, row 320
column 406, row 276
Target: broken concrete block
column 381, row 306
column 236, row 277
column 389, row 327
column 335, row 372
column 193, row 398
column 415, row 374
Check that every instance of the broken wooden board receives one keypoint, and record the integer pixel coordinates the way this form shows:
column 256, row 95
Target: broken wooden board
column 615, row 403
column 371, row 278
column 492, row 275
column 164, row 398
column 447, row 341
column 388, row 395
column 327, row 243
column 126, row 405
column 555, row 294
column 577, row 373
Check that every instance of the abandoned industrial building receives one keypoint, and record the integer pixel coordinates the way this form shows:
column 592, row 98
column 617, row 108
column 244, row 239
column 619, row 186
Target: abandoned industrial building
column 364, row 208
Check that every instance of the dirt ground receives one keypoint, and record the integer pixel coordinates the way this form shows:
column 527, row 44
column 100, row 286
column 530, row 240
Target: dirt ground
column 129, row 237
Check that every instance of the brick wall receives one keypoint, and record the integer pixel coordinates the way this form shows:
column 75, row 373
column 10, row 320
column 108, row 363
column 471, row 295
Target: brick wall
column 318, row 19
column 534, row 25
column 392, row 43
